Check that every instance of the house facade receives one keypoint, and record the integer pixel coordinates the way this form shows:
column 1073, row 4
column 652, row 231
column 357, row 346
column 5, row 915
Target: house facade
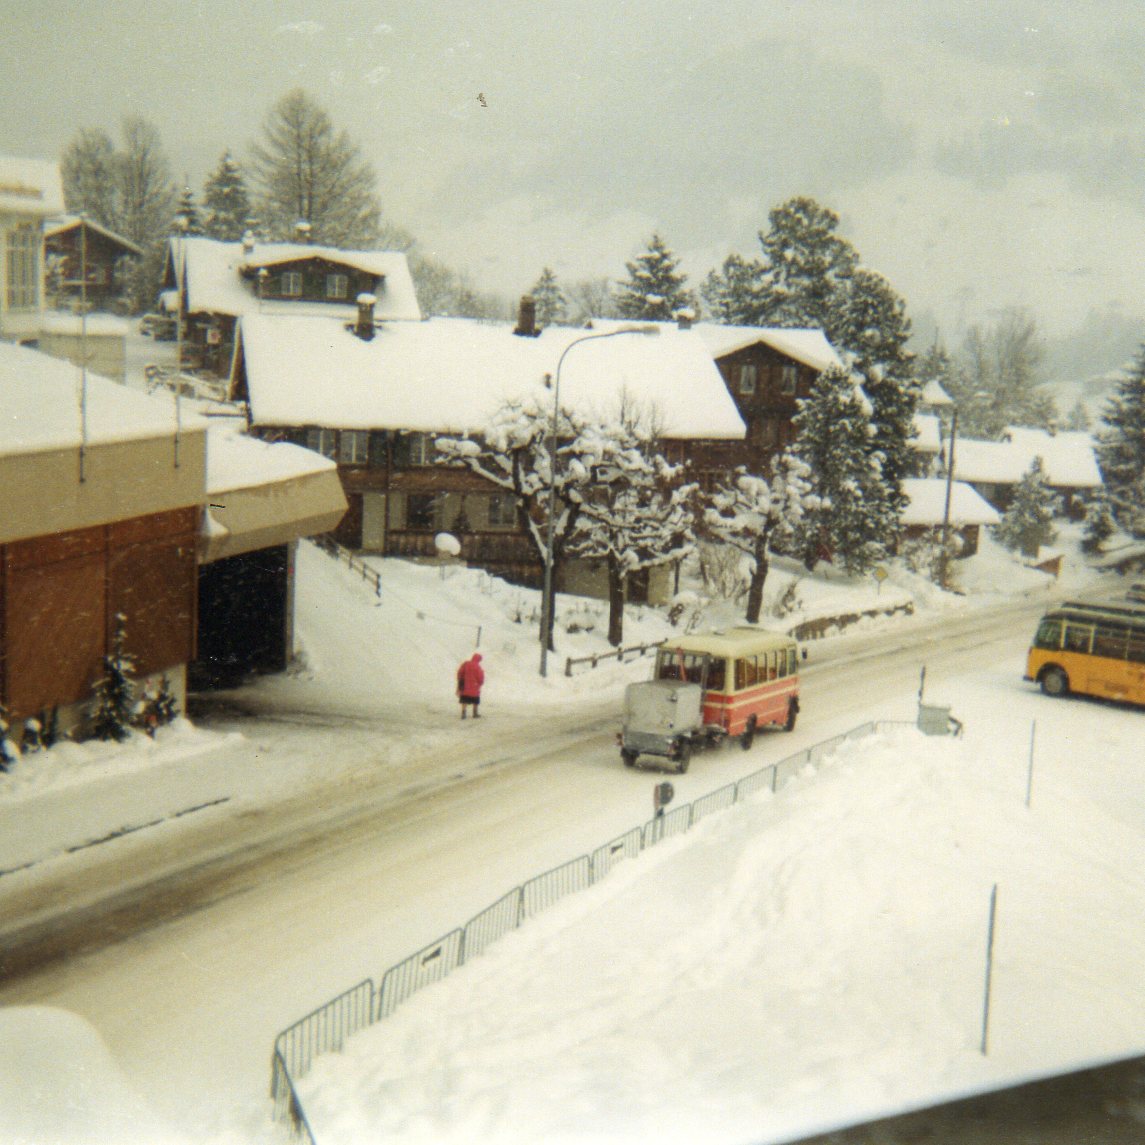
column 86, row 264
column 210, row 285
column 30, row 192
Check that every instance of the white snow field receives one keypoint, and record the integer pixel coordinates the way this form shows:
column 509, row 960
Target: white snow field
column 803, row 960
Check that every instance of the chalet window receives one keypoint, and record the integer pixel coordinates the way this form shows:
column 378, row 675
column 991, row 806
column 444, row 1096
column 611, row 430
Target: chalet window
column 502, row 510
column 421, row 511
column 337, row 286
column 321, row 441
column 748, row 375
column 23, row 267
column 353, row 446
column 421, row 449
column 292, row 284
column 788, row 380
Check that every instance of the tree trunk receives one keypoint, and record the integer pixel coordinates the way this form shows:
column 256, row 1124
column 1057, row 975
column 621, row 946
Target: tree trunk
column 616, row 586
column 755, row 586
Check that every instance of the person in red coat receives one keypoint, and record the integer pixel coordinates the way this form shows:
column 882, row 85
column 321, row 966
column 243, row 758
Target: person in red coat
column 470, row 677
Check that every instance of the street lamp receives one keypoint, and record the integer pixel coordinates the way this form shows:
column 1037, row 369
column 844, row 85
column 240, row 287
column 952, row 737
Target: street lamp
column 547, row 595
column 945, row 555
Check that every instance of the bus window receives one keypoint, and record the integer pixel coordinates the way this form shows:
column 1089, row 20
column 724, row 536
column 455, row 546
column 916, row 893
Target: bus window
column 1077, row 637
column 1136, row 651
column 717, row 670
column 782, row 658
column 1110, row 642
column 772, row 665
column 1049, row 634
column 667, row 666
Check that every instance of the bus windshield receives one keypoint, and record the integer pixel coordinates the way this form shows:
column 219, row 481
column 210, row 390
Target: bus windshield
column 693, row 667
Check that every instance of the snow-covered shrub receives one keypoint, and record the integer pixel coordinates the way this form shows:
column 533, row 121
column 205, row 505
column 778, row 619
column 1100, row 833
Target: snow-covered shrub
column 722, row 571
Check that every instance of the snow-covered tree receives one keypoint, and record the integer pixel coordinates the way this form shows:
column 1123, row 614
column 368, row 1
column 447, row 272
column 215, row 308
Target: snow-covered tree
column 549, row 299
column 307, row 171
column 1100, row 523
column 733, row 293
column 226, row 201
column 749, row 513
column 636, row 511
column 113, row 710
column 1121, row 448
column 996, row 381
column 655, row 289
column 187, row 219
column 1028, row 522
column 1077, row 420
column 90, row 171
column 854, row 523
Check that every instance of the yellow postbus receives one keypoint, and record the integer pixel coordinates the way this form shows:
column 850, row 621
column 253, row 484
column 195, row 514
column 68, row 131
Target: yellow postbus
column 1091, row 649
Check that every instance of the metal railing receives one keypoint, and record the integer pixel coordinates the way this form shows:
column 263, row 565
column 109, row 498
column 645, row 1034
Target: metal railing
column 616, row 653
column 353, row 561
column 327, row 1028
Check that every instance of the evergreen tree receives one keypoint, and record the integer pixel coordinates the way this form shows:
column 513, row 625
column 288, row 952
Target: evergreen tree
column 749, row 513
column 1028, row 523
column 114, row 701
column 1078, row 419
column 307, row 171
column 549, row 299
column 655, row 289
column 1099, row 524
column 226, row 201
column 854, row 523
column 1121, row 449
column 733, row 293
column 187, row 220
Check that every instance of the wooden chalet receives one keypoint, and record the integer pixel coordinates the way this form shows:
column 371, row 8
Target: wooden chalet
column 72, row 243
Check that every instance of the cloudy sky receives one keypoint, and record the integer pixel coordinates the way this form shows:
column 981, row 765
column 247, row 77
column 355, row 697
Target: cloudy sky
column 981, row 155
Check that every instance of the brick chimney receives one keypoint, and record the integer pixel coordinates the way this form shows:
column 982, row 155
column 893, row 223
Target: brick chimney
column 364, row 327
column 527, row 318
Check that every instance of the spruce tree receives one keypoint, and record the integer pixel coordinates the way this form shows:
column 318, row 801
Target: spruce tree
column 549, row 299
column 655, row 289
column 733, row 293
column 1099, row 524
column 114, row 701
column 1028, row 523
column 226, row 201
column 187, row 219
column 1121, row 449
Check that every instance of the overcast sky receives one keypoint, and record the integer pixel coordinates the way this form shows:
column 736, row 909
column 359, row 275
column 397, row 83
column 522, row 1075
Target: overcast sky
column 981, row 155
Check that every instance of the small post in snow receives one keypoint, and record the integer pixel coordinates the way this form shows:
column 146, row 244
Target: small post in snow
column 1030, row 771
column 921, row 683
column 989, row 970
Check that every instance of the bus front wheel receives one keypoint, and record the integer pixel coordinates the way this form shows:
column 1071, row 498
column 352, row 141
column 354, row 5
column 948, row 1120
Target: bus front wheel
column 1055, row 682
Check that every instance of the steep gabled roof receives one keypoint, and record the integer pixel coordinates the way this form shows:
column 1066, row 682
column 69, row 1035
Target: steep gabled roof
column 450, row 375
column 926, row 503
column 65, row 223
column 809, row 346
column 219, row 277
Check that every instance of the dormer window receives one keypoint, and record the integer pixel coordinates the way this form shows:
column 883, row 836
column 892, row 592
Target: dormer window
column 292, row 284
column 337, row 286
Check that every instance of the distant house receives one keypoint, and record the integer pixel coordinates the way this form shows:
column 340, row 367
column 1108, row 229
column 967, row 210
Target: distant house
column 116, row 503
column 30, row 192
column 995, row 468
column 926, row 511
column 376, row 396
column 75, row 245
column 927, row 443
column 213, row 284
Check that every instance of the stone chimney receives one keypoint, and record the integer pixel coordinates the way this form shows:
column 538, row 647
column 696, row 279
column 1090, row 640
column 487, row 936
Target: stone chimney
column 364, row 327
column 302, row 231
column 527, row 318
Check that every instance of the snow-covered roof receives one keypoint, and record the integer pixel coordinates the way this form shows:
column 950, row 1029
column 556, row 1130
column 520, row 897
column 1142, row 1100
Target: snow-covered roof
column 58, row 226
column 927, row 433
column 238, row 461
column 30, row 186
column 1068, row 458
column 810, row 347
column 450, row 375
column 933, row 395
column 926, row 503
column 215, row 283
column 40, row 406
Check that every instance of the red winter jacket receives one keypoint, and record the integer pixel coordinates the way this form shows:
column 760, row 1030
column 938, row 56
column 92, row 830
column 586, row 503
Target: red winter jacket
column 470, row 676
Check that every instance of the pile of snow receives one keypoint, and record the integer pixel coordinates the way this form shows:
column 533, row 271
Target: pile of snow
column 802, row 961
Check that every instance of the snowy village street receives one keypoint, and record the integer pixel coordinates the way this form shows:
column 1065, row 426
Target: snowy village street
column 188, row 947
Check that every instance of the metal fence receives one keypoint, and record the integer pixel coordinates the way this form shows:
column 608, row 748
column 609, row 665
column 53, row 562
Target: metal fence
column 327, row 1028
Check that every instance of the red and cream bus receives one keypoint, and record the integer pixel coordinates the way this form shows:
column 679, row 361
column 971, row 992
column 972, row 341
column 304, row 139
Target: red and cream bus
column 708, row 686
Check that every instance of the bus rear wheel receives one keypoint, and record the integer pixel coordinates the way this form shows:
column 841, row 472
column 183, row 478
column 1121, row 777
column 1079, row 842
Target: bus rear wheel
column 1055, row 682
column 792, row 712
column 629, row 757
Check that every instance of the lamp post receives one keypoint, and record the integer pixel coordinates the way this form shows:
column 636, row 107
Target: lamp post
column 945, row 555
column 547, row 595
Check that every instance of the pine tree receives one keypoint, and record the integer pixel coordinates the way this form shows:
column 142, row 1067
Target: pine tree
column 655, row 290
column 733, row 293
column 749, row 514
column 1099, row 523
column 1028, row 523
column 1078, row 419
column 114, row 701
column 226, row 201
column 307, row 171
column 854, row 523
column 549, row 299
column 187, row 220
column 1121, row 449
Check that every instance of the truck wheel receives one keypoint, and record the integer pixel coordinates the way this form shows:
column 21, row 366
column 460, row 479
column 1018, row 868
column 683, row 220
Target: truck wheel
column 792, row 712
column 684, row 757
column 1055, row 682
column 629, row 757
column 748, row 737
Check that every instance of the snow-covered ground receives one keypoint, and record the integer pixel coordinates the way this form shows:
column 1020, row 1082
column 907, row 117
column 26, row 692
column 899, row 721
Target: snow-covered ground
column 802, row 960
